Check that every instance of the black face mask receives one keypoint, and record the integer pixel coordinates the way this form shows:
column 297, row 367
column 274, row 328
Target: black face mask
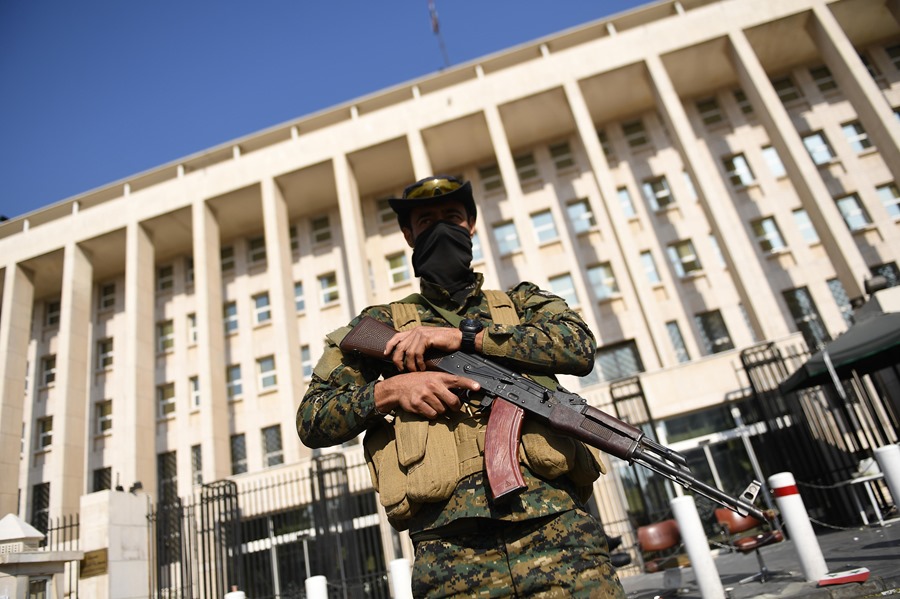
column 443, row 255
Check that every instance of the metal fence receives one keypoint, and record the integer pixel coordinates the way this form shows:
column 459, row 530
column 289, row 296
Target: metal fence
column 62, row 534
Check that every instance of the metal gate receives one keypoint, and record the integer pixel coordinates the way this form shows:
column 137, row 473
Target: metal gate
column 815, row 434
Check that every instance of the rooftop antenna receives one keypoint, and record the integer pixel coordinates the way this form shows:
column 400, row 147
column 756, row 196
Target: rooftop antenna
column 436, row 28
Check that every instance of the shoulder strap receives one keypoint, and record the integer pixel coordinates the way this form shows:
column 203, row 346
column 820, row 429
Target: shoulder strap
column 502, row 309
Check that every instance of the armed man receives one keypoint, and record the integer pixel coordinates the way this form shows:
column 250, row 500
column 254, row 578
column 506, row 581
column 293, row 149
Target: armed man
column 425, row 445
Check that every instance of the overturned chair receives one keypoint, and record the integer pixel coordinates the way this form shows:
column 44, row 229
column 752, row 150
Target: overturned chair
column 733, row 524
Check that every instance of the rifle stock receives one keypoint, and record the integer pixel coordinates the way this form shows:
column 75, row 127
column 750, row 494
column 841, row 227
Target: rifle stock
column 509, row 396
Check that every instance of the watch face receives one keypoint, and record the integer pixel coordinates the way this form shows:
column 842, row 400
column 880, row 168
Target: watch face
column 470, row 324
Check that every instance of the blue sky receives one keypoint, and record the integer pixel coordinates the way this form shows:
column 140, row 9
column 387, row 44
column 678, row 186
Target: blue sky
column 93, row 91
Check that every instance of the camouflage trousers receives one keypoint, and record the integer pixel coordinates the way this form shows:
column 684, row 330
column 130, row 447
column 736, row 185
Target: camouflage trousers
column 564, row 555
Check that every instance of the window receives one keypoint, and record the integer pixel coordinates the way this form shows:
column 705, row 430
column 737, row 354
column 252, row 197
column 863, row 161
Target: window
column 720, row 257
column 773, row 161
column 299, row 298
column 743, row 103
column 606, row 146
column 491, row 180
column 890, row 197
column 40, row 506
column 384, row 214
column 226, row 255
column 328, row 288
column 806, row 317
column 234, row 388
column 657, row 193
column 398, row 268
column 295, row 240
column 544, row 227
column 320, row 228
column 194, row 386
column 105, row 353
column 165, row 278
column 581, row 216
column 563, row 286
column 626, row 202
column 842, row 300
column 854, row 212
column 192, row 328
column 189, row 271
column 616, row 361
column 106, row 298
column 738, row 171
column 44, row 433
column 709, row 110
column 713, row 332
column 238, row 454
column 165, row 400
column 271, row 440
column 51, row 313
column 197, row 464
column 893, row 53
column 103, row 412
column 635, row 134
column 256, row 250
column 689, row 183
column 786, row 89
column 649, row 265
column 818, row 148
column 767, row 235
column 561, row 154
column 889, row 271
column 506, row 237
column 526, row 168
column 102, row 479
column 261, row 311
column 823, row 78
column 48, row 370
column 477, row 253
column 231, row 317
column 801, row 219
column 306, row 362
column 267, row 377
column 873, row 70
column 602, row 280
column 856, row 136
column 165, row 336
column 684, row 258
column 675, row 336
column 167, row 477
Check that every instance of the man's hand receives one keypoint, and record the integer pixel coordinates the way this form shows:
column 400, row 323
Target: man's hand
column 428, row 394
column 407, row 348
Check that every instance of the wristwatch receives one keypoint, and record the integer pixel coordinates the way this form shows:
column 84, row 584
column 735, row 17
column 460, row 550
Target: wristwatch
column 469, row 327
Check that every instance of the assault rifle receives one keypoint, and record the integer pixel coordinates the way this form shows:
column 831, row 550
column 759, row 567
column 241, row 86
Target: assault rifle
column 509, row 395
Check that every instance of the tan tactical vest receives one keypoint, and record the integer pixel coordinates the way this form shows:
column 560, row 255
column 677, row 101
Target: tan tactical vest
column 415, row 460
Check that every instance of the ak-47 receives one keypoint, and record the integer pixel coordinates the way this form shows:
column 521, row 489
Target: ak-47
column 509, row 395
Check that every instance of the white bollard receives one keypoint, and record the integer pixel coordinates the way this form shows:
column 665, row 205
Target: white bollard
column 316, row 587
column 401, row 579
column 697, row 545
column 888, row 458
column 796, row 520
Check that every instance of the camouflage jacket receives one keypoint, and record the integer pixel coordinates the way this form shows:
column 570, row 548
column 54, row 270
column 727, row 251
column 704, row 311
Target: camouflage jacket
column 551, row 338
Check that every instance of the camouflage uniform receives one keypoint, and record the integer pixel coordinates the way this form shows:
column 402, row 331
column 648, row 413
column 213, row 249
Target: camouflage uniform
column 550, row 339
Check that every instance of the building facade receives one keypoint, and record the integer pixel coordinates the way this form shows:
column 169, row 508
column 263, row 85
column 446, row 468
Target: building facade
column 695, row 176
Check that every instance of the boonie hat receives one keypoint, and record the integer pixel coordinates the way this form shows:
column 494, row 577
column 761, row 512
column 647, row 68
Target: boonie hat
column 434, row 190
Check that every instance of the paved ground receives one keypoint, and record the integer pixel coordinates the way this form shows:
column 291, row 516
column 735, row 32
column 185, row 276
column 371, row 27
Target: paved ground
column 876, row 548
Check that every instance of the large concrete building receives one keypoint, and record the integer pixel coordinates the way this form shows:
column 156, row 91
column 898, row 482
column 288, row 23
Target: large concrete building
column 695, row 176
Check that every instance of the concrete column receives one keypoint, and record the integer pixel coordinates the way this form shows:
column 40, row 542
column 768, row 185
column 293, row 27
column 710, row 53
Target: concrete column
column 731, row 233
column 15, row 332
column 419, row 155
column 839, row 244
column 215, row 442
column 71, row 396
column 114, row 539
column 872, row 108
column 352, row 231
column 134, row 413
column 621, row 230
column 288, row 364
column 503, row 152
